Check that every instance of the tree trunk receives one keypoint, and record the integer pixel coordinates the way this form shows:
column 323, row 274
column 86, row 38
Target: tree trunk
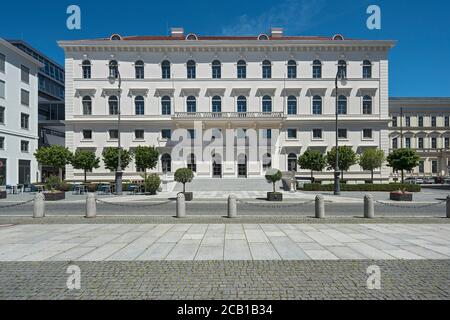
column 274, row 187
column 85, row 175
column 184, row 187
column 403, row 176
column 371, row 172
column 60, row 174
column 312, row 176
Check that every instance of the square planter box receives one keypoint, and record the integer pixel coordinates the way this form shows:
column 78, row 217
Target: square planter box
column 401, row 196
column 2, row 194
column 54, row 196
column 188, row 196
column 274, row 196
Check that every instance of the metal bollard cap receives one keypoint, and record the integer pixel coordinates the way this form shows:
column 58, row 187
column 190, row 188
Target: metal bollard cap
column 180, row 196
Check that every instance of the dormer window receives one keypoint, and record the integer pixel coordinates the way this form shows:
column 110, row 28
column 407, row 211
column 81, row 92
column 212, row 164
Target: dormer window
column 191, row 36
column 263, row 37
column 338, row 37
column 116, row 37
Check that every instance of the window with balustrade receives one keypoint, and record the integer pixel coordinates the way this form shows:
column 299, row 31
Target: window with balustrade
column 191, row 104
column 242, row 104
column 267, row 104
column 216, row 104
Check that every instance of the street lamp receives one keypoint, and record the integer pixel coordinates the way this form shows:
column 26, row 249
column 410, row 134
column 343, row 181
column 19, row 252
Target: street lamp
column 113, row 75
column 340, row 75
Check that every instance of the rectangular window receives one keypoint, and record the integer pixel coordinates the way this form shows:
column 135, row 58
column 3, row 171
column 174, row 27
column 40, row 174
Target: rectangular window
column 434, row 166
column 317, row 133
column 267, row 133
column 166, row 134
column 2, row 143
column 342, row 133
column 2, row 63
column 420, row 121
column 395, row 143
column 408, row 143
column 24, row 97
column 2, row 89
column 24, row 121
column 421, row 167
column 25, row 74
column 433, row 121
column 408, row 121
column 139, row 134
column 420, row 143
column 434, row 143
column 447, row 143
column 113, row 134
column 2, row 115
column 292, row 133
column 87, row 134
column 447, row 121
column 394, row 121
column 24, row 146
column 367, row 134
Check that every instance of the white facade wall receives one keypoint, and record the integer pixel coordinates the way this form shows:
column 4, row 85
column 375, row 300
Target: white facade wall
column 11, row 129
column 99, row 53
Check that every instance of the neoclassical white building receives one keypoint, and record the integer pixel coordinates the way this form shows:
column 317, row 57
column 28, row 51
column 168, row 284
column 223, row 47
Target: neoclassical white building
column 18, row 116
column 274, row 89
column 423, row 124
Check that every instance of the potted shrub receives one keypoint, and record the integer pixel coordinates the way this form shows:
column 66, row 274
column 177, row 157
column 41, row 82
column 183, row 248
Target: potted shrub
column 185, row 175
column 152, row 183
column 273, row 176
column 53, row 186
column 401, row 195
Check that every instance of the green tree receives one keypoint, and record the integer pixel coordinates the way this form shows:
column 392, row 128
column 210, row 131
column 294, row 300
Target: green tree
column 146, row 158
column 54, row 156
column 371, row 159
column 273, row 176
column 111, row 158
column 184, row 175
column 347, row 158
column 403, row 159
column 85, row 160
column 312, row 160
column 152, row 183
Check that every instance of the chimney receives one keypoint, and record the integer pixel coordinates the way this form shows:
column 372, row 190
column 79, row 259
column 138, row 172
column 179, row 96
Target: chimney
column 177, row 32
column 277, row 32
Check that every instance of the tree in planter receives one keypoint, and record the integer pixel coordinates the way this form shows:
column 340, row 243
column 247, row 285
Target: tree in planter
column 146, row 158
column 184, row 175
column 152, row 183
column 347, row 158
column 111, row 158
column 273, row 176
column 53, row 184
column 371, row 159
column 312, row 160
column 54, row 156
column 403, row 159
column 85, row 160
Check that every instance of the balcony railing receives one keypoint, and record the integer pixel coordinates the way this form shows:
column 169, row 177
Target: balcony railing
column 228, row 115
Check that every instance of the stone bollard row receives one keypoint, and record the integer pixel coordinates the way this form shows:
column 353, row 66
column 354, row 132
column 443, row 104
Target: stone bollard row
column 91, row 206
column 369, row 207
column 320, row 207
column 39, row 206
column 181, row 206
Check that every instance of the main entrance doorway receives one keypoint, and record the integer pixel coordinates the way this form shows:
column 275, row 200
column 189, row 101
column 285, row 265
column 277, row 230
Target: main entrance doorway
column 242, row 166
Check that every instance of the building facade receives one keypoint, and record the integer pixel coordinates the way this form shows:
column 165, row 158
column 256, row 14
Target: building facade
column 51, row 108
column 422, row 124
column 18, row 116
column 275, row 94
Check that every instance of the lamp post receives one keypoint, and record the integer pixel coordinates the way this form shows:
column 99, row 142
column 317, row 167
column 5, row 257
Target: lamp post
column 115, row 74
column 337, row 184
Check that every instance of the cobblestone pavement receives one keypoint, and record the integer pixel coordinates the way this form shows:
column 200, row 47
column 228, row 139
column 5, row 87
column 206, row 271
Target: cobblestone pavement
column 187, row 242
column 287, row 280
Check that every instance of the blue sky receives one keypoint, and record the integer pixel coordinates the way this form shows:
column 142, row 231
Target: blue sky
column 419, row 65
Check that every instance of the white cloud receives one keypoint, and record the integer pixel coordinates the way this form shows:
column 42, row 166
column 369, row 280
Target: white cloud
column 295, row 16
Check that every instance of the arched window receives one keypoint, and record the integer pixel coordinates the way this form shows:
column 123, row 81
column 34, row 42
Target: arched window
column 86, row 67
column 139, row 105
column 242, row 104
column 113, row 103
column 165, row 105
column 241, row 69
column 139, row 69
column 367, row 69
column 113, row 69
column 216, row 69
column 190, row 67
column 317, row 69
column 292, row 162
column 292, row 69
column 342, row 69
column 266, row 69
column 216, row 104
column 166, row 163
column 191, row 104
column 191, row 164
column 367, row 105
column 342, row 105
column 165, row 69
column 87, row 106
column 267, row 161
column 267, row 104
column 317, row 105
column 292, row 105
